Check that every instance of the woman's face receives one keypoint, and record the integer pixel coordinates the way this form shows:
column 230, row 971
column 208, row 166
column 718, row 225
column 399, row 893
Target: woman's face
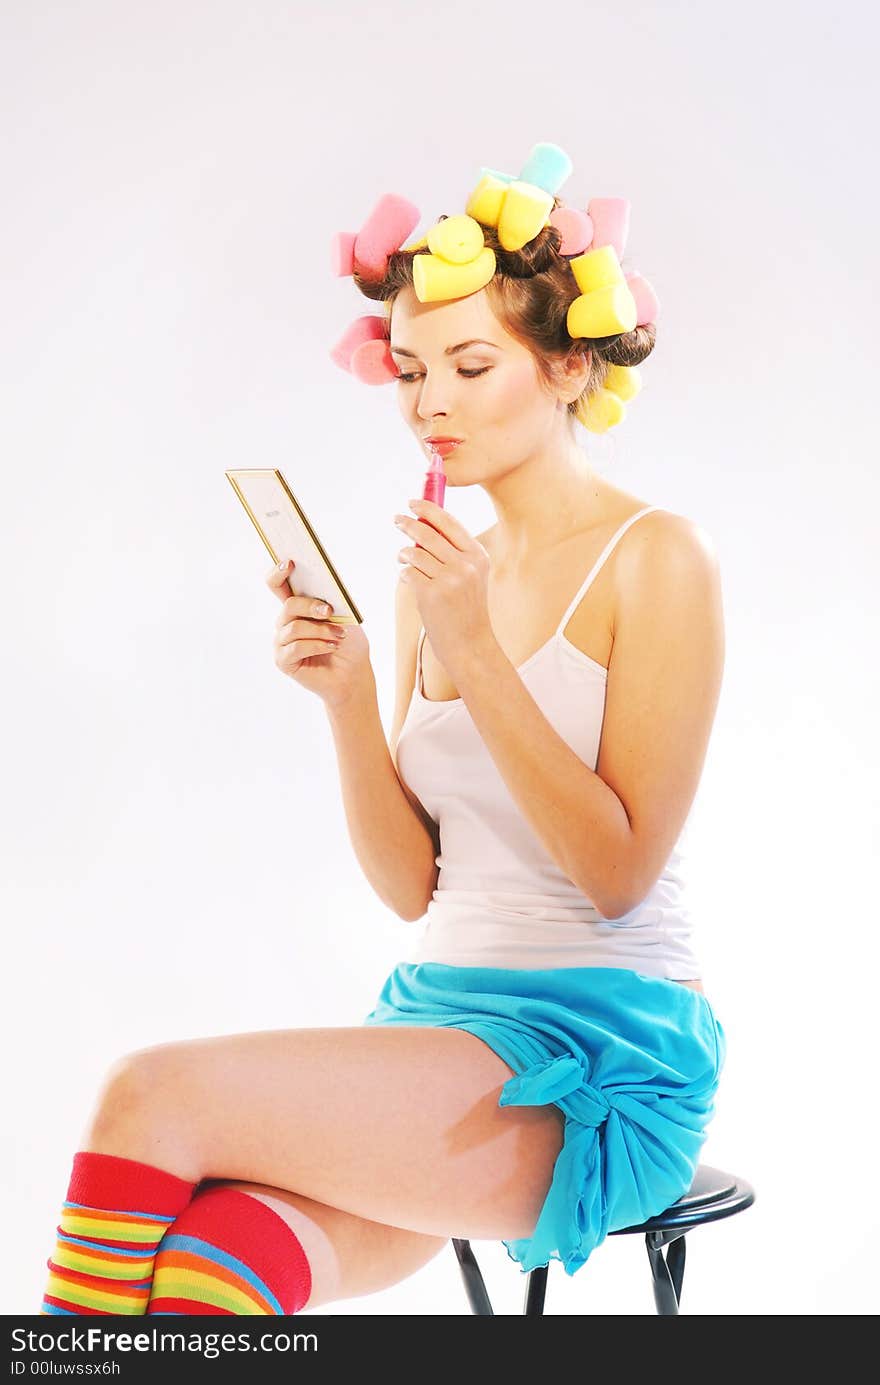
column 489, row 395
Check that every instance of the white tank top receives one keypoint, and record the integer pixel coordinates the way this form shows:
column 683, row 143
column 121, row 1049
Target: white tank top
column 501, row 900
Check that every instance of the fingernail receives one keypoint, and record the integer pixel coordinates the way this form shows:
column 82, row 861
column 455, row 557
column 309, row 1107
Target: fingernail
column 321, row 608
column 282, row 566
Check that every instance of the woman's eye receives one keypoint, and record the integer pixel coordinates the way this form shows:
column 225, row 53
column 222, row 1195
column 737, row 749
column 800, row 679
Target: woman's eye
column 468, row 374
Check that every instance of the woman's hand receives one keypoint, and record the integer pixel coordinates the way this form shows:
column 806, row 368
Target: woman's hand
column 329, row 659
column 449, row 571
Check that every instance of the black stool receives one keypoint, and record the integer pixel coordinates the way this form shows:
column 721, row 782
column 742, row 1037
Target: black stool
column 712, row 1195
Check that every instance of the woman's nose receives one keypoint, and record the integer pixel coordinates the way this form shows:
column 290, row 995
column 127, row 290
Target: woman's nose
column 433, row 399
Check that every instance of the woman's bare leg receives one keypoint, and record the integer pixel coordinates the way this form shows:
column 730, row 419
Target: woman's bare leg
column 398, row 1125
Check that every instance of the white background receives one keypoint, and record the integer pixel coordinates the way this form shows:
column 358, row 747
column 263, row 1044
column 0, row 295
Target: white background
column 176, row 861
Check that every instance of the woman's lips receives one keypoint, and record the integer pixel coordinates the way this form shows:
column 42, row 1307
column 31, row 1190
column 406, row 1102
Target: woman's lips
column 444, row 448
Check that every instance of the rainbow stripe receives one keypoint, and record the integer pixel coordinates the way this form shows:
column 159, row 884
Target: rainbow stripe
column 103, row 1261
column 192, row 1276
column 230, row 1253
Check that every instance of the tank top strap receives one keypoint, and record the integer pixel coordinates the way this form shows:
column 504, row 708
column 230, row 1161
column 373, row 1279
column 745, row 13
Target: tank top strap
column 615, row 537
column 419, row 658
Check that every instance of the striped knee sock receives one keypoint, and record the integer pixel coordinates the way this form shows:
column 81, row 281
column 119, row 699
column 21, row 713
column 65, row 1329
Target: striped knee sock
column 115, row 1214
column 229, row 1253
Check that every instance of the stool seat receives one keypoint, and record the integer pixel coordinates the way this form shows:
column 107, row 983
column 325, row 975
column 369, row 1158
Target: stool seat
column 713, row 1194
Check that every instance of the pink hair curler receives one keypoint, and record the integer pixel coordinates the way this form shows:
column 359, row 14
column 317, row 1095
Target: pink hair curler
column 384, row 231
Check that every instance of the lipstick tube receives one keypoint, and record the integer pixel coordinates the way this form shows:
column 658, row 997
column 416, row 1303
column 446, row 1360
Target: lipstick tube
column 435, row 485
column 435, row 480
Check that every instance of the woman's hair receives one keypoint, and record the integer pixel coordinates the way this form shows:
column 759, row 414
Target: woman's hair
column 530, row 293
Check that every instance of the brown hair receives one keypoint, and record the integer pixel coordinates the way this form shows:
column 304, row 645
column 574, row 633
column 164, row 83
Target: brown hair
column 530, row 293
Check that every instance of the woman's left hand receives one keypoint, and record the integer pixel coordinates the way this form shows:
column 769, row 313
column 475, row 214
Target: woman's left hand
column 449, row 571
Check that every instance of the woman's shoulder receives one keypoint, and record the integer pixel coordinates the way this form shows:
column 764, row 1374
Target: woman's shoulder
column 663, row 531
column 663, row 543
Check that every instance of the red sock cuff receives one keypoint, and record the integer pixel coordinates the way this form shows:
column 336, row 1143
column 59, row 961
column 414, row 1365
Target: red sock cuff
column 112, row 1183
column 253, row 1232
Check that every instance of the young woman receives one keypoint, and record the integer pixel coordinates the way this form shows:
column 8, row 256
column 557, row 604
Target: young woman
column 544, row 1069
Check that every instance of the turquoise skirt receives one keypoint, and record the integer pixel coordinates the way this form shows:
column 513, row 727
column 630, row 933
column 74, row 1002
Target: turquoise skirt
column 632, row 1061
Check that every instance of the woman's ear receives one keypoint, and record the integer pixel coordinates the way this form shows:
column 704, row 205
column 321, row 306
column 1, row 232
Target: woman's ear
column 576, row 372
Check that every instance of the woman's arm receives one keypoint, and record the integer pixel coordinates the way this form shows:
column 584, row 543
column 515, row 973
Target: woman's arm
column 394, row 840
column 612, row 831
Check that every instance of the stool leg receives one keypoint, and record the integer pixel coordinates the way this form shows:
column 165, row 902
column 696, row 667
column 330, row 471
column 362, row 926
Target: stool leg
column 536, row 1288
column 667, row 1274
column 675, row 1265
column 474, row 1284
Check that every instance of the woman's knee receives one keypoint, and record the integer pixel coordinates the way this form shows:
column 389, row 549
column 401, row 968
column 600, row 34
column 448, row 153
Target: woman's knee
column 142, row 1090
column 133, row 1078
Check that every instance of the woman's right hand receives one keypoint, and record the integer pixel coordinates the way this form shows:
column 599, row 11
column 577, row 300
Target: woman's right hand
column 328, row 659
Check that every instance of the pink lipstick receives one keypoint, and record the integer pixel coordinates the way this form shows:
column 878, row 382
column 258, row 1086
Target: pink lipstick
column 435, row 480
